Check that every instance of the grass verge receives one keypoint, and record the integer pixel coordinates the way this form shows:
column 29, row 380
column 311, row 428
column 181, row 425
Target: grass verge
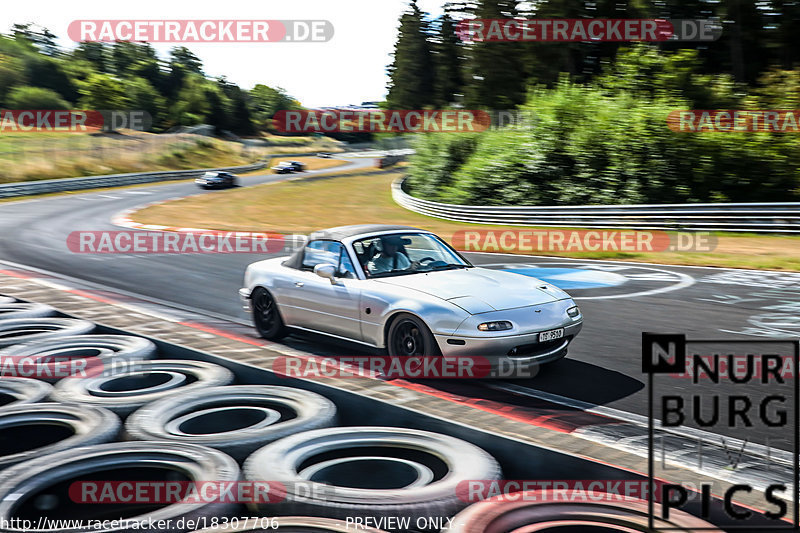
column 353, row 198
column 31, row 156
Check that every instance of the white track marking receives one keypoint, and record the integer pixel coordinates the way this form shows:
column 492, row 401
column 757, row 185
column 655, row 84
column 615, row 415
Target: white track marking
column 685, row 280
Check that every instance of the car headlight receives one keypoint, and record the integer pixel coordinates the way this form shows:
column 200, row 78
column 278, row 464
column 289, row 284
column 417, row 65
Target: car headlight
column 495, row 326
column 574, row 311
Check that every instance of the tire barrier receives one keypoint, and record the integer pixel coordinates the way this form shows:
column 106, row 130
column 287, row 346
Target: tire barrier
column 40, row 488
column 38, row 429
column 125, row 392
column 90, row 353
column 295, row 524
column 20, row 391
column 193, row 426
column 411, row 473
column 25, row 310
column 236, row 419
column 534, row 512
column 18, row 330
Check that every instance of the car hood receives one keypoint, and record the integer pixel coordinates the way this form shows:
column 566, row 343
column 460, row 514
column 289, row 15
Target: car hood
column 480, row 290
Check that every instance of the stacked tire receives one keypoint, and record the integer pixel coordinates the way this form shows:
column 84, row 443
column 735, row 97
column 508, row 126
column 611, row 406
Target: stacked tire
column 379, row 472
column 120, row 414
column 53, row 358
column 19, row 330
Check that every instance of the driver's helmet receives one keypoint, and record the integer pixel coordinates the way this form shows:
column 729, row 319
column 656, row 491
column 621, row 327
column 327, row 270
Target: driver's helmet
column 391, row 240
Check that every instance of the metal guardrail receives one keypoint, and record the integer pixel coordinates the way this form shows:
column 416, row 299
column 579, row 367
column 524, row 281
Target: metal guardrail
column 29, row 188
column 781, row 217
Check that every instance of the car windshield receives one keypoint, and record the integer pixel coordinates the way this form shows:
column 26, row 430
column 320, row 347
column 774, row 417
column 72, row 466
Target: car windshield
column 405, row 253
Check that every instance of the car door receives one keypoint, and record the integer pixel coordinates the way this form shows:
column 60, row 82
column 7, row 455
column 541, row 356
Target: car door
column 324, row 306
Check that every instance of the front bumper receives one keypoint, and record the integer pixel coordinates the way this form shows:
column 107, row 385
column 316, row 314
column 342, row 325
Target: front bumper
column 520, row 349
column 244, row 296
column 525, row 345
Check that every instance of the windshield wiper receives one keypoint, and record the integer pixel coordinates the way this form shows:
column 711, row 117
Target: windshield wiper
column 448, row 266
column 395, row 272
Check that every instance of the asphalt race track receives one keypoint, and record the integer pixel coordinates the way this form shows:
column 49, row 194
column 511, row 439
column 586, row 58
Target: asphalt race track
column 619, row 300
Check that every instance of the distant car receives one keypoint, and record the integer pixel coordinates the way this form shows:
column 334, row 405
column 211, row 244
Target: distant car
column 406, row 290
column 288, row 167
column 217, row 180
column 324, row 155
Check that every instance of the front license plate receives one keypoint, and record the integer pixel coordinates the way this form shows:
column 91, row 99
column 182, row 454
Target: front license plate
column 551, row 335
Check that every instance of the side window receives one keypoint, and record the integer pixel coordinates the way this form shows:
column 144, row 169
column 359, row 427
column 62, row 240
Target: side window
column 318, row 252
column 330, row 252
column 346, row 269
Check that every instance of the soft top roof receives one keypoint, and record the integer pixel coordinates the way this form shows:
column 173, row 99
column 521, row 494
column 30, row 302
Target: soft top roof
column 343, row 232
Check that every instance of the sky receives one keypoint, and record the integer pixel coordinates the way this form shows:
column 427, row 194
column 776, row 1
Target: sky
column 349, row 69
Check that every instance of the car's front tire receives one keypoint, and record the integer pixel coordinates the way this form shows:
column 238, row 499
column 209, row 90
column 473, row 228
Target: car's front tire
column 409, row 336
column 266, row 317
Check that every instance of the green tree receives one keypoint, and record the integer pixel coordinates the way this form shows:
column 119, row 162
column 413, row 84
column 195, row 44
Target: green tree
column 40, row 37
column 191, row 105
column 12, row 73
column 94, row 54
column 449, row 79
column 239, row 121
column 411, row 73
column 50, row 73
column 101, row 91
column 644, row 71
column 140, row 95
column 180, row 55
column 35, row 98
column 496, row 73
column 125, row 55
column 265, row 101
column 745, row 37
column 217, row 114
column 786, row 20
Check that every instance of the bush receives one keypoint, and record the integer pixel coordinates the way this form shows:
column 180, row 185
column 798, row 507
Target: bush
column 591, row 147
column 35, row 98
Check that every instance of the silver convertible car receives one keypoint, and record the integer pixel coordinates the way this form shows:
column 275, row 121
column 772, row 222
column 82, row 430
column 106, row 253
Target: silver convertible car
column 405, row 290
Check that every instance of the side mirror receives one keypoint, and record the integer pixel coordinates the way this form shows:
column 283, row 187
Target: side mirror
column 327, row 271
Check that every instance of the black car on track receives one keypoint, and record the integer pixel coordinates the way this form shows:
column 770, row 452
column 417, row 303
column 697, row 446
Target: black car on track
column 289, row 167
column 217, row 180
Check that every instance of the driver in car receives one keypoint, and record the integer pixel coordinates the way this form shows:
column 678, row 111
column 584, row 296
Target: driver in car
column 390, row 257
